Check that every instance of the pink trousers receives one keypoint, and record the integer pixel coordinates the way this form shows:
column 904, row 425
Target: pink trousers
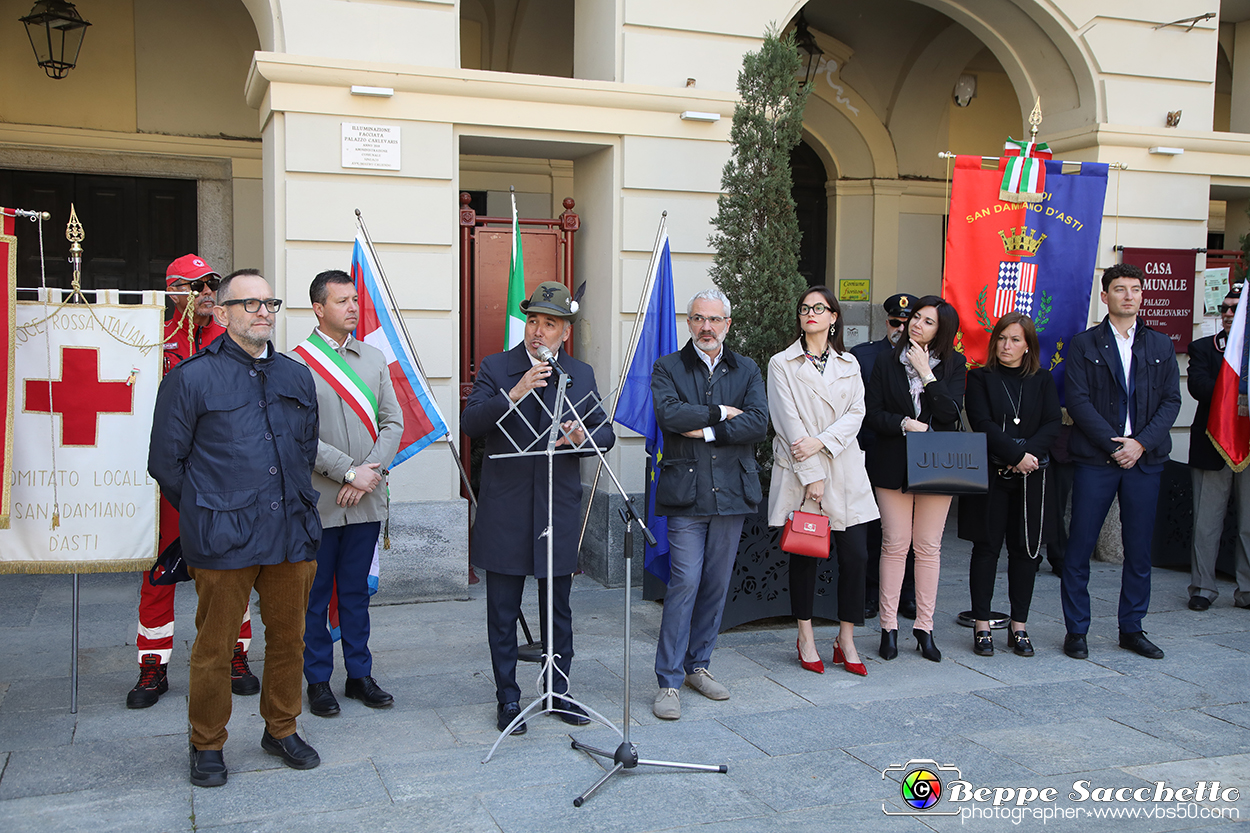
column 909, row 521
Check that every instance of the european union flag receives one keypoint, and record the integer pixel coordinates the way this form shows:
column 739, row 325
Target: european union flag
column 634, row 408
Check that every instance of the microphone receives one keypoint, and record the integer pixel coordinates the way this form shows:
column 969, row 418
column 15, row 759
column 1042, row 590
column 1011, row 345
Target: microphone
column 545, row 355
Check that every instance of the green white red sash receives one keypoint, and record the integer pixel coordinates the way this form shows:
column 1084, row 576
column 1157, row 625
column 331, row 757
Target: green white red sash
column 325, row 361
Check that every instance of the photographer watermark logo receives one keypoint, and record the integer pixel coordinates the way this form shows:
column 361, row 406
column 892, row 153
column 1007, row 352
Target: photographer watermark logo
column 921, row 788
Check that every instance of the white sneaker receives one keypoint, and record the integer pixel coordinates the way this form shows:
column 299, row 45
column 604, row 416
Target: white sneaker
column 703, row 682
column 667, row 705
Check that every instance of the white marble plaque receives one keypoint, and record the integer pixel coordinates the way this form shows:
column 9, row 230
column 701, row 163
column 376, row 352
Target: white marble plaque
column 373, row 146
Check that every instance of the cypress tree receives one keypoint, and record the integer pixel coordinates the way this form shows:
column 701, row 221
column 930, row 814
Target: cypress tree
column 757, row 234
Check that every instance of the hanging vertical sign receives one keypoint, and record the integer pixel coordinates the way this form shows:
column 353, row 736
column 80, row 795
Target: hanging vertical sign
column 8, row 301
column 85, row 387
column 1167, row 292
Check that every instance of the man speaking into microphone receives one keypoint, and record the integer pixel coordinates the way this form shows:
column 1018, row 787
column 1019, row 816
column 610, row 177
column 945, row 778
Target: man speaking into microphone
column 512, row 504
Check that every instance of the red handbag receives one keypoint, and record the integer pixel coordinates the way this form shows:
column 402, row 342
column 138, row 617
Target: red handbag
column 806, row 533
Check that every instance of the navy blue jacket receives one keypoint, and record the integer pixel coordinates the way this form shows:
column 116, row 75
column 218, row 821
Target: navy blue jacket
column 866, row 354
column 697, row 477
column 234, row 441
column 1098, row 399
column 512, row 500
column 1205, row 358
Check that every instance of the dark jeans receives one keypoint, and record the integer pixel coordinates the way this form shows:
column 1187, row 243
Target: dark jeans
column 850, row 547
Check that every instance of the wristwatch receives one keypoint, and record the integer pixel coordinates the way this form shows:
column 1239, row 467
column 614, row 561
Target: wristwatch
column 350, row 477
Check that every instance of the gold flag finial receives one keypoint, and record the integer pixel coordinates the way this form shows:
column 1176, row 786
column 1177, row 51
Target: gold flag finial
column 1035, row 118
column 75, row 235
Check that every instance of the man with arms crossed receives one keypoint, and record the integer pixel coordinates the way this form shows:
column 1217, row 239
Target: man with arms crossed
column 712, row 407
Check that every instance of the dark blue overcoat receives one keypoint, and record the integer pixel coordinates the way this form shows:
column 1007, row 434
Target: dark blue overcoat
column 512, row 502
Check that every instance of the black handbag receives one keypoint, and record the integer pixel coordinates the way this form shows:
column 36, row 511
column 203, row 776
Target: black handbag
column 946, row 463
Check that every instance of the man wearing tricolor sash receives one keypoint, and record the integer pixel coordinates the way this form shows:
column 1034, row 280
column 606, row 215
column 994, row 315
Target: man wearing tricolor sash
column 360, row 427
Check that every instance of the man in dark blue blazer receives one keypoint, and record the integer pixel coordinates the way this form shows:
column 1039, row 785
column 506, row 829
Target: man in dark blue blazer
column 1213, row 480
column 898, row 309
column 512, row 500
column 1123, row 392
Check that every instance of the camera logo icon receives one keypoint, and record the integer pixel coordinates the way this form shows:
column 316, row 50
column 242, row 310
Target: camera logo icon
column 921, row 787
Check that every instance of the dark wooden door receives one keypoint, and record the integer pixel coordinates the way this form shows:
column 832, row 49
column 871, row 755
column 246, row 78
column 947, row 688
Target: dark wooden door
column 134, row 227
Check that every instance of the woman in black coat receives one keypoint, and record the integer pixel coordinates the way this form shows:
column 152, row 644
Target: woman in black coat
column 917, row 386
column 1017, row 407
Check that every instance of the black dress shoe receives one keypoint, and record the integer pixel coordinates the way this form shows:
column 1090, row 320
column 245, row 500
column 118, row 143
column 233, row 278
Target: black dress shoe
column 1074, row 645
column 321, row 700
column 576, row 715
column 907, row 608
column 208, row 767
column 367, row 691
column 924, row 644
column 1139, row 644
column 1019, row 642
column 1199, row 603
column 294, row 752
column 505, row 713
column 983, row 644
column 871, row 608
column 889, row 644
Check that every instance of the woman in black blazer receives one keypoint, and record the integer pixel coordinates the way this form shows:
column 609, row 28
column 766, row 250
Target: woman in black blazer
column 1017, row 407
column 917, row 386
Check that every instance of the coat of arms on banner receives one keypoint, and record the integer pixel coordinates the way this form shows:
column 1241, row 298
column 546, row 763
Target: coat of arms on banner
column 1037, row 258
column 84, row 388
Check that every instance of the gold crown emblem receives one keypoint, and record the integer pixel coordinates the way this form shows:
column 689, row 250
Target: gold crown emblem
column 1022, row 242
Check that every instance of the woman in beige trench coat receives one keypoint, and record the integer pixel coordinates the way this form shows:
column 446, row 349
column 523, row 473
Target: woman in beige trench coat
column 816, row 402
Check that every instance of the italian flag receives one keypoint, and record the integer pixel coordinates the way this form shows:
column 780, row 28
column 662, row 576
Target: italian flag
column 1229, row 425
column 514, row 333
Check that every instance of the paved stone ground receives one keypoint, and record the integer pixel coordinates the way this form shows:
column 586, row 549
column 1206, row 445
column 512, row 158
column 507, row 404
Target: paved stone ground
column 804, row 752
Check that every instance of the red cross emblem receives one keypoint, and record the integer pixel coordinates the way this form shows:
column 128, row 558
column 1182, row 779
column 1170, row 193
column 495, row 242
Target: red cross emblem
column 79, row 396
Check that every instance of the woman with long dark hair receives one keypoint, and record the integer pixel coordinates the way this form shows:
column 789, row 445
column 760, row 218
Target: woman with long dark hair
column 816, row 402
column 919, row 386
column 1016, row 405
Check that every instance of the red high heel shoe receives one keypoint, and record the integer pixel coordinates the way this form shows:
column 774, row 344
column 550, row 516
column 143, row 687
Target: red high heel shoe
column 840, row 659
column 818, row 666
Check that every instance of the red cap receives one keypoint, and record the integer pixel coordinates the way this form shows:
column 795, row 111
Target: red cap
column 188, row 268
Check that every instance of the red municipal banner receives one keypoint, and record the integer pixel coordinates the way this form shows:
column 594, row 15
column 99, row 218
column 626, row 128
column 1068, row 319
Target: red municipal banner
column 8, row 262
column 1036, row 258
column 1168, row 292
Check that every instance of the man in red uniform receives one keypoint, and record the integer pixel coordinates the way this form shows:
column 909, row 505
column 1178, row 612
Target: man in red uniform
column 187, row 278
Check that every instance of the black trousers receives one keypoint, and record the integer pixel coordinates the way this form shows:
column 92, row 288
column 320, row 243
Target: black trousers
column 503, row 609
column 1005, row 509
column 851, row 550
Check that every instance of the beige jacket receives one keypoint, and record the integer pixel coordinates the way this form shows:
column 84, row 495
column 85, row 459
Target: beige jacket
column 344, row 441
column 803, row 403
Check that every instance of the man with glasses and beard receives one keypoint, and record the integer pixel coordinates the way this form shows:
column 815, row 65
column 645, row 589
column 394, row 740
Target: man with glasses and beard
column 898, row 309
column 712, row 407
column 234, row 441
column 188, row 278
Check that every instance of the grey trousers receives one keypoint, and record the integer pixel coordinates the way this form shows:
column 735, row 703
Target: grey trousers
column 702, row 551
column 1211, row 490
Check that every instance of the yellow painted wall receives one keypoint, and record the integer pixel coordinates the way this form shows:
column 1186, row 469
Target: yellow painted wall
column 992, row 116
column 98, row 94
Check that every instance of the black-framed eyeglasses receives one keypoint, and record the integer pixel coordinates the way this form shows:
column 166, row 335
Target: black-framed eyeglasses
column 253, row 305
column 1227, row 308
column 714, row 320
column 819, row 309
column 897, row 322
column 198, row 285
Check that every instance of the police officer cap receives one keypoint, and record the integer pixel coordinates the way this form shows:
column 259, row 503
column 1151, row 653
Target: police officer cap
column 551, row 298
column 900, row 305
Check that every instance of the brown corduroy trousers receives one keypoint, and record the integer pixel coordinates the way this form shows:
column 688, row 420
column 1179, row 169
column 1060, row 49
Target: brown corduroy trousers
column 283, row 590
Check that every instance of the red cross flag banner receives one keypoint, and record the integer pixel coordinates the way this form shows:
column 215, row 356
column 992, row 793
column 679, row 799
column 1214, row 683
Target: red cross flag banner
column 8, row 309
column 85, row 387
column 1037, row 258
